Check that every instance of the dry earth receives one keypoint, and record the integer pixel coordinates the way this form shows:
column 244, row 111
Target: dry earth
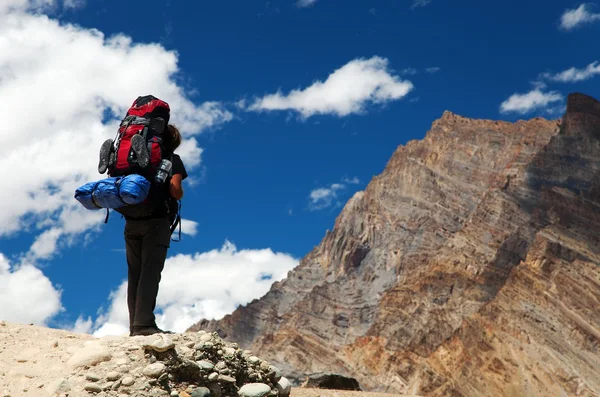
column 38, row 361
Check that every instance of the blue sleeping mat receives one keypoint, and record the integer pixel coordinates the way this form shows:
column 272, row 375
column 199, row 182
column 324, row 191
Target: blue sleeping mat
column 114, row 192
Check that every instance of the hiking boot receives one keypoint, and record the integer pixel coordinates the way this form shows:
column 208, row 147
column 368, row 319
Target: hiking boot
column 105, row 153
column 148, row 331
column 138, row 145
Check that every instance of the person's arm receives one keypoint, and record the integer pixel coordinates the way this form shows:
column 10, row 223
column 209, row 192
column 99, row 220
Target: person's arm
column 175, row 188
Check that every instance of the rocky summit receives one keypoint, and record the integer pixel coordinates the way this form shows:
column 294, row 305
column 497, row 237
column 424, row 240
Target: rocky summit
column 180, row 365
column 469, row 267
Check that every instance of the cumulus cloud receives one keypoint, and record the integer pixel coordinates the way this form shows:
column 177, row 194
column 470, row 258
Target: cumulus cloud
column 57, row 107
column 26, row 294
column 573, row 75
column 581, row 15
column 189, row 227
column 533, row 100
column 204, row 285
column 325, row 197
column 347, row 90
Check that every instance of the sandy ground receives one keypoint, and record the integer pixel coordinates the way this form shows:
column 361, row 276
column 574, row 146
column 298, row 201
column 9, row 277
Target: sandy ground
column 43, row 362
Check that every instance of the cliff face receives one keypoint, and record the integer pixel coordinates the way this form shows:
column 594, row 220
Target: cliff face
column 470, row 266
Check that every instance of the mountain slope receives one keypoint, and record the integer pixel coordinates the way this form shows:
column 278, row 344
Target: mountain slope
column 470, row 266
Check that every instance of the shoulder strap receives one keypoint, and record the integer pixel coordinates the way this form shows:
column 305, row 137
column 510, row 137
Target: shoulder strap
column 177, row 222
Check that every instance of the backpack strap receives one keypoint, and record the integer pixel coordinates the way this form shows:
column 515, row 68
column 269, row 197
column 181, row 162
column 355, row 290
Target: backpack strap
column 177, row 222
column 107, row 214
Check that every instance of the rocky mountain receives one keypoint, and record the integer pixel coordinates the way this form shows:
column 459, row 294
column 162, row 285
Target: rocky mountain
column 469, row 267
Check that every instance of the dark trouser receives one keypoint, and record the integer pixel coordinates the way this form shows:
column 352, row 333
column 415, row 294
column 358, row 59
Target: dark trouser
column 147, row 242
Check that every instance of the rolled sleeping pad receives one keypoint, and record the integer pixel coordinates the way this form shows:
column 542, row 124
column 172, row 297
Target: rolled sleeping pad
column 114, row 192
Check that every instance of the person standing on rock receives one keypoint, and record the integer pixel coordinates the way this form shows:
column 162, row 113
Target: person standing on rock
column 147, row 241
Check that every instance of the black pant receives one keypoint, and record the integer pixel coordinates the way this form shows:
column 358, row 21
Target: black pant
column 147, row 242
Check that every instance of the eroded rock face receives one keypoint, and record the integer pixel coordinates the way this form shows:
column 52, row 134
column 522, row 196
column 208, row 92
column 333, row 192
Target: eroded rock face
column 470, row 266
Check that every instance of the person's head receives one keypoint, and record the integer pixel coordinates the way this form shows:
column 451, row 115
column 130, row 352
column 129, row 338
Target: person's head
column 173, row 138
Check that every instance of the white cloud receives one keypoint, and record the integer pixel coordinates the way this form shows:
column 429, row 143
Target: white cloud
column 577, row 17
column 57, row 102
column 325, row 197
column 204, row 285
column 420, row 3
column 434, row 69
column 26, row 294
column 74, row 3
column 305, row 3
column 347, row 90
column 189, row 227
column 533, row 100
column 573, row 75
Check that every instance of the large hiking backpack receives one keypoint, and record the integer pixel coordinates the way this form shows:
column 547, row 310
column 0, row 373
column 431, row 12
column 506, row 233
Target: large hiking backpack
column 139, row 149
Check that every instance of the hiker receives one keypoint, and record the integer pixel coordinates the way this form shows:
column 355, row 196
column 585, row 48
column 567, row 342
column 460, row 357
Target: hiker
column 147, row 240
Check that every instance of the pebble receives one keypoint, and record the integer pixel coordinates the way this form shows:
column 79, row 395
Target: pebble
column 92, row 377
column 108, row 386
column 208, row 345
column 152, row 360
column 202, row 332
column 58, row 386
column 275, row 373
column 265, row 366
column 190, row 344
column 229, row 351
column 162, row 344
column 123, row 368
column 113, row 375
column 174, row 393
column 220, row 352
column 205, row 338
column 221, row 365
column 128, row 381
column 213, row 377
column 154, row 370
column 183, row 394
column 53, row 343
column 206, row 365
column 92, row 387
column 284, row 387
column 122, row 361
column 116, row 385
column 254, row 390
column 201, row 392
column 226, row 379
column 253, row 360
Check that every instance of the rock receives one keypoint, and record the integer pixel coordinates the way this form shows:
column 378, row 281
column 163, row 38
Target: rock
column 161, row 344
column 274, row 374
column 213, row 377
column 113, row 375
column 215, row 389
column 2, row 323
column 221, row 365
column 122, row 361
column 331, row 381
column 154, row 370
column 206, row 365
column 264, row 366
column 89, row 355
column 226, row 379
column 152, row 360
column 92, row 387
column 92, row 377
column 53, row 343
column 208, row 345
column 116, row 385
column 229, row 352
column 205, row 338
column 201, row 392
column 24, row 370
column 284, row 387
column 174, row 393
column 253, row 360
column 202, row 332
column 58, row 386
column 254, row 390
column 128, row 381
column 108, row 386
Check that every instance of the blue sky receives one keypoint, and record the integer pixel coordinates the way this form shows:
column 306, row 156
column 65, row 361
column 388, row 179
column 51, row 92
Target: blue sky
column 288, row 108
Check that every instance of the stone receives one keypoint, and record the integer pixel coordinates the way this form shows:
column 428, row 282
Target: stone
column 174, row 393
column 58, row 386
column 201, row 392
column 24, row 370
column 220, row 365
column 108, row 386
column 184, row 394
column 226, row 379
column 284, row 387
column 92, row 377
column 214, row 376
column 202, row 332
column 229, row 352
column 274, row 374
column 161, row 344
column 265, row 366
column 208, row 345
column 116, row 385
column 53, row 343
column 215, row 389
column 154, row 370
column 92, row 387
column 89, row 356
column 2, row 323
column 331, row 381
column 122, row 361
column 205, row 338
column 254, row 390
column 113, row 375
column 205, row 365
column 128, row 381
column 253, row 360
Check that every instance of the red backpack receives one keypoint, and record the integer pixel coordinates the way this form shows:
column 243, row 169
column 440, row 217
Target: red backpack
column 138, row 149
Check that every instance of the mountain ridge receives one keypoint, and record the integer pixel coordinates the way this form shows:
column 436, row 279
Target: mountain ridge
column 472, row 224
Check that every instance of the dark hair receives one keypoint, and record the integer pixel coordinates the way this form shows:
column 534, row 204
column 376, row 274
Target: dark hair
column 173, row 137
